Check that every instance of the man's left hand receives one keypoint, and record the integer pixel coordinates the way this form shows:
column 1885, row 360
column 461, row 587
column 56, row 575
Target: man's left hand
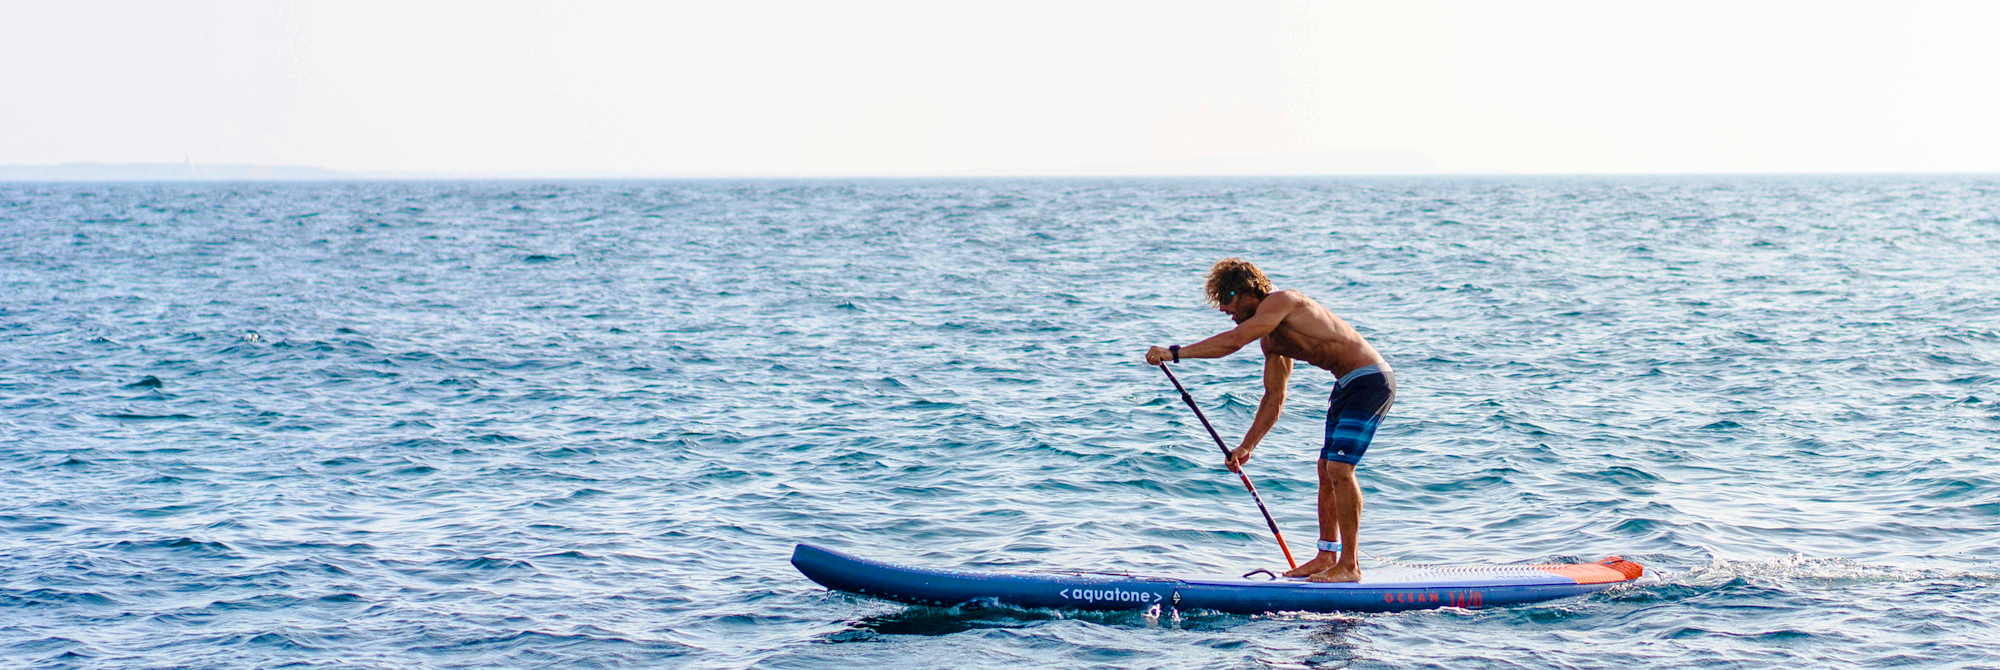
column 1237, row 457
column 1158, row 355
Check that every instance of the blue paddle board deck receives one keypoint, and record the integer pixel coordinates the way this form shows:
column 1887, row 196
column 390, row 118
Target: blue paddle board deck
column 1391, row 589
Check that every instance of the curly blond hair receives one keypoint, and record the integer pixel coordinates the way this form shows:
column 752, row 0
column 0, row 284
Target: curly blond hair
column 1235, row 276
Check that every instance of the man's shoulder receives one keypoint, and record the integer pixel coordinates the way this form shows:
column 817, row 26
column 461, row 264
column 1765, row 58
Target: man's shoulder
column 1289, row 298
column 1289, row 294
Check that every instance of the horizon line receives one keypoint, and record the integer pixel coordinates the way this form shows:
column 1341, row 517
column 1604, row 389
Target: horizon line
column 189, row 172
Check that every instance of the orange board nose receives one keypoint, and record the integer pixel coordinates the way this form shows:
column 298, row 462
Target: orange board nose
column 1613, row 569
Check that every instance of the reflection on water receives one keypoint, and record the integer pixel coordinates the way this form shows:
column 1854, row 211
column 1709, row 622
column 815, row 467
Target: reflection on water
column 1334, row 649
column 935, row 621
column 942, row 621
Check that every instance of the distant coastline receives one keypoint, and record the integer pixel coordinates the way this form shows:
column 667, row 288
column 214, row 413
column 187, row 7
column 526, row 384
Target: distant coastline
column 1322, row 164
column 167, row 172
column 1326, row 163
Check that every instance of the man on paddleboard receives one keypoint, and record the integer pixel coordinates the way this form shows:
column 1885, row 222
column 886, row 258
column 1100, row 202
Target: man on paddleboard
column 1291, row 326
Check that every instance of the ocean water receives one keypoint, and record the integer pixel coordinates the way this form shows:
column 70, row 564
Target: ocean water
column 582, row 424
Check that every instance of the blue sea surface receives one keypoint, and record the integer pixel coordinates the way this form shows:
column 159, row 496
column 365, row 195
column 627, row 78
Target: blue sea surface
column 582, row 424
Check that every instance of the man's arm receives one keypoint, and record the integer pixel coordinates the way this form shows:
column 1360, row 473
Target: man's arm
column 1277, row 376
column 1271, row 312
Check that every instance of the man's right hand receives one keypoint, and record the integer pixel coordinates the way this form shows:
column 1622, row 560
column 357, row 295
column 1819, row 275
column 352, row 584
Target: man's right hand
column 1237, row 457
column 1158, row 355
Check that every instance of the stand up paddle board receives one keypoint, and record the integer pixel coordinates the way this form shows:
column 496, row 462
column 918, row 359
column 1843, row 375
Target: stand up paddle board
column 1391, row 589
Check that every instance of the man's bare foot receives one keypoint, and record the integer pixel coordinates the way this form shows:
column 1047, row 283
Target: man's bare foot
column 1315, row 566
column 1340, row 572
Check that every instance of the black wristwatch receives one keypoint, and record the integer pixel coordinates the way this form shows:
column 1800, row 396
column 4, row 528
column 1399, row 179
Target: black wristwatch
column 1176, row 351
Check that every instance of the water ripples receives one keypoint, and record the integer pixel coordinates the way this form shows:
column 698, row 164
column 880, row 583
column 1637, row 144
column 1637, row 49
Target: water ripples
column 539, row 425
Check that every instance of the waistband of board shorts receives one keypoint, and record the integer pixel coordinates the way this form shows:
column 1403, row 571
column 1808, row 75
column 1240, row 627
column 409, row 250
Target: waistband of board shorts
column 1360, row 372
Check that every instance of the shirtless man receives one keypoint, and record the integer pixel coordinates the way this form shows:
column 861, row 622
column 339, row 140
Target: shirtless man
column 1290, row 326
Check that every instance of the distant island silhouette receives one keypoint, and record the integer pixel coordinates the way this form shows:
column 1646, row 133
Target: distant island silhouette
column 166, row 172
column 1318, row 163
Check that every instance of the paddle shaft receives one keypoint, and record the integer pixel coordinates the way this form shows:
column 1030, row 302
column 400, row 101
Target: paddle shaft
column 1239, row 472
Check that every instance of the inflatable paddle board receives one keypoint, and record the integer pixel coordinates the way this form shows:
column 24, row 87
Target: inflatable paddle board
column 1390, row 589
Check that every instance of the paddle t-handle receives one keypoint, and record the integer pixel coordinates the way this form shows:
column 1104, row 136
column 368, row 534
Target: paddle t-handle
column 1239, row 472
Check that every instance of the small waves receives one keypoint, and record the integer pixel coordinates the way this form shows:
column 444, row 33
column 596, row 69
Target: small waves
column 554, row 425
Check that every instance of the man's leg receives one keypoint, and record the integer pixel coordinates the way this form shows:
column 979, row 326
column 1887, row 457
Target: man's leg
column 1351, row 416
column 1329, row 525
column 1340, row 508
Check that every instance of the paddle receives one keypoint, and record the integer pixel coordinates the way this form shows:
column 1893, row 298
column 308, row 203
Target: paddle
column 1225, row 454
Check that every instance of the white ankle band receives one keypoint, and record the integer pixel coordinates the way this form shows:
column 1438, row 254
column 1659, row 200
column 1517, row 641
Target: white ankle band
column 1329, row 545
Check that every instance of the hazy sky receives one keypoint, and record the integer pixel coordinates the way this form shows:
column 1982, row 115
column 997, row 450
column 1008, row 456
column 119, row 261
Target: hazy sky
column 998, row 87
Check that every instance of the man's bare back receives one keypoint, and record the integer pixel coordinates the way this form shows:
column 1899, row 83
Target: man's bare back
column 1313, row 334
